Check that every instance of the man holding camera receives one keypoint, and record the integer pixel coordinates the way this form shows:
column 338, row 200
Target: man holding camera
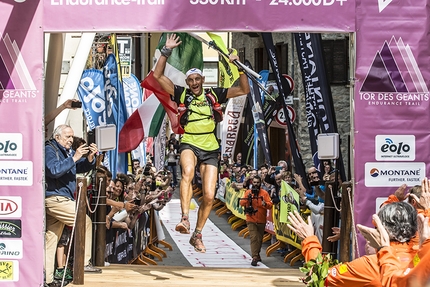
column 256, row 202
column 61, row 165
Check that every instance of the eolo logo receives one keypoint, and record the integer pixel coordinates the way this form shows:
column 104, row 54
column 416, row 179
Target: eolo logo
column 8, row 146
column 397, row 148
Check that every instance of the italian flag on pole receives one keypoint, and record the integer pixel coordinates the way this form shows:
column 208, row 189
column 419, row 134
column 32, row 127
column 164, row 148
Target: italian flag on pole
column 143, row 122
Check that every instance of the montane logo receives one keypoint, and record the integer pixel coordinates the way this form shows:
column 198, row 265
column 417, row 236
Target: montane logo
column 382, row 4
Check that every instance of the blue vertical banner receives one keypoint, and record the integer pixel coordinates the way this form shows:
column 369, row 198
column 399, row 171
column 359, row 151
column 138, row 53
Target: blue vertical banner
column 116, row 111
column 91, row 94
column 133, row 99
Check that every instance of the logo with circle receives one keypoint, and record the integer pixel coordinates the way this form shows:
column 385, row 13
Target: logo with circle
column 374, row 172
column 2, row 246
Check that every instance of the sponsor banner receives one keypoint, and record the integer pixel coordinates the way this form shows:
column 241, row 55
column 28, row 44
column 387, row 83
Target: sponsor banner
column 320, row 112
column 10, row 146
column 391, row 93
column 231, row 123
column 284, row 89
column 232, row 198
column 395, row 147
column 91, row 94
column 290, row 201
column 124, row 54
column 133, row 99
column 21, row 112
column 11, row 249
column 254, row 98
column 16, row 173
column 283, row 233
column 10, row 206
column 385, row 174
column 150, row 15
column 9, row 270
column 10, row 228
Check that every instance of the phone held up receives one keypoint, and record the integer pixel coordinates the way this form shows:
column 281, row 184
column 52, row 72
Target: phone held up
column 76, row 104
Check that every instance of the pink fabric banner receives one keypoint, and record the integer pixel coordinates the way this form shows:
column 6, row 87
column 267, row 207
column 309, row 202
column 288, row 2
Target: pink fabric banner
column 21, row 143
column 199, row 15
column 391, row 101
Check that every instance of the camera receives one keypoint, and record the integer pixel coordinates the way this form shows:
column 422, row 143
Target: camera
column 255, row 191
column 250, row 209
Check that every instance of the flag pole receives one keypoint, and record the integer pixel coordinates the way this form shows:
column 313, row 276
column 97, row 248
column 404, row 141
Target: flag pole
column 254, row 76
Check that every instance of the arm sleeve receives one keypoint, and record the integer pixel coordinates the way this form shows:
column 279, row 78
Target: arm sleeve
column 56, row 166
column 311, row 247
column 221, row 94
column 315, row 208
column 178, row 90
column 363, row 271
column 392, row 275
column 268, row 200
column 270, row 179
column 83, row 165
column 244, row 201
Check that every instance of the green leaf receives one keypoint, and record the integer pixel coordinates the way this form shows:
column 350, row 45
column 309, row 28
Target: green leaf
column 314, row 277
column 304, row 270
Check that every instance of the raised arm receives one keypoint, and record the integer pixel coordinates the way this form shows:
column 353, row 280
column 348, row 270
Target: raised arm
column 243, row 88
column 172, row 42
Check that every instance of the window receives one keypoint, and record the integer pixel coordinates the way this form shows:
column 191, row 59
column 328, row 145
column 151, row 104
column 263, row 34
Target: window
column 261, row 61
column 282, row 57
column 336, row 60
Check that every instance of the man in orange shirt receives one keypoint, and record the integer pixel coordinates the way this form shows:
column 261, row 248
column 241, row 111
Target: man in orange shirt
column 417, row 273
column 363, row 271
column 256, row 202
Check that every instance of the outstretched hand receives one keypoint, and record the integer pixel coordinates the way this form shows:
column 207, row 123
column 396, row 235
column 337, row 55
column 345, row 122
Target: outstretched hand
column 400, row 192
column 375, row 237
column 172, row 41
column 424, row 199
column 299, row 226
column 423, row 228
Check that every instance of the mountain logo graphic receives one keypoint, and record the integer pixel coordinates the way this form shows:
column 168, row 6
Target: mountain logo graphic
column 382, row 4
column 14, row 73
column 374, row 172
column 394, row 70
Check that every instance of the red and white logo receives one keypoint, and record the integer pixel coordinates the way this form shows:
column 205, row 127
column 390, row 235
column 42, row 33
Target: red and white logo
column 10, row 206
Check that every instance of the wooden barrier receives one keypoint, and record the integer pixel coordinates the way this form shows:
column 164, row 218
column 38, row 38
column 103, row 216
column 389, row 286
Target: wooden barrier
column 346, row 222
column 80, row 224
column 100, row 222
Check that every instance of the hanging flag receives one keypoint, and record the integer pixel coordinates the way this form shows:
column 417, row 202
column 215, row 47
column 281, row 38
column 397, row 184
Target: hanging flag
column 189, row 54
column 290, row 201
column 284, row 91
column 115, row 96
column 144, row 122
column 231, row 123
column 91, row 94
column 319, row 101
column 248, row 135
column 254, row 97
column 228, row 72
column 160, row 145
column 133, row 99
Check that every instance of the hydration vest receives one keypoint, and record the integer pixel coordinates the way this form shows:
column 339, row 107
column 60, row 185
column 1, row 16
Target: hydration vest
column 184, row 111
